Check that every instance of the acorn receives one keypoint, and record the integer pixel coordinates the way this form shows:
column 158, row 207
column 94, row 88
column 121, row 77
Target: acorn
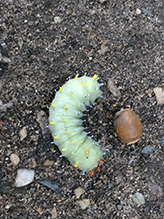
column 127, row 126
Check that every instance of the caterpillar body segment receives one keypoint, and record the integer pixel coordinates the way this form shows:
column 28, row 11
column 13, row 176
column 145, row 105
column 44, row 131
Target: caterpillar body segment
column 65, row 122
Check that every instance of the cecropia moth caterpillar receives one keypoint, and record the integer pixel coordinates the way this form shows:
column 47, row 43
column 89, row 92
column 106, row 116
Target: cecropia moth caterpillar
column 65, row 122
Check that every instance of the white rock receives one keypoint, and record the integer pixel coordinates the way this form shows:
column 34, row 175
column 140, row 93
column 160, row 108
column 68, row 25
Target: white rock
column 14, row 159
column 24, row 177
column 159, row 93
column 84, row 203
column 102, row 1
column 138, row 11
column 23, row 133
column 138, row 198
column 113, row 88
column 78, row 192
column 53, row 213
column 57, row 20
column 8, row 206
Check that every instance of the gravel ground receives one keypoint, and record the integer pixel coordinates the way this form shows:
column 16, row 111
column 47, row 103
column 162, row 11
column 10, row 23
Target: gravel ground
column 43, row 42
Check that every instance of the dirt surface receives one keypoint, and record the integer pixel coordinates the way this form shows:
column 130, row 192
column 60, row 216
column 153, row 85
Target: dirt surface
column 42, row 44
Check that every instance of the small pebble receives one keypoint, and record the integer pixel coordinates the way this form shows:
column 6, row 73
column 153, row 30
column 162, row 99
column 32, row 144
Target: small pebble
column 57, row 20
column 32, row 163
column 34, row 137
column 3, row 107
column 14, row 159
column 51, row 184
column 105, row 47
column 113, row 88
column 119, row 207
column 53, row 213
column 48, row 163
column 163, row 141
column 102, row 1
column 8, row 206
column 109, row 185
column 138, row 11
column 23, row 133
column 24, row 177
column 84, row 203
column 147, row 150
column 78, row 192
column 159, row 93
column 43, row 122
column 147, row 12
column 138, row 198
column 155, row 189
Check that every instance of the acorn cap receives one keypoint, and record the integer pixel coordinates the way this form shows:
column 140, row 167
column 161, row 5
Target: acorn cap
column 127, row 126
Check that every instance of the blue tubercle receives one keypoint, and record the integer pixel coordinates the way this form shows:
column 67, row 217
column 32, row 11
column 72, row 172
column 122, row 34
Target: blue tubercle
column 101, row 84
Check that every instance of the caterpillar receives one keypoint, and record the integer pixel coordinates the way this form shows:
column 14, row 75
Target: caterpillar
column 65, row 122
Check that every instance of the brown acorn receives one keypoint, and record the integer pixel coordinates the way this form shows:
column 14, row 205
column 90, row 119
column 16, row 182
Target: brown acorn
column 127, row 126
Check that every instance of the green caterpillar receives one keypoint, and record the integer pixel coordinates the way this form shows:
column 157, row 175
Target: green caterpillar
column 65, row 122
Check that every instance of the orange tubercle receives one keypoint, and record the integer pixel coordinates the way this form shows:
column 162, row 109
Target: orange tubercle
column 100, row 162
column 98, row 168
column 91, row 172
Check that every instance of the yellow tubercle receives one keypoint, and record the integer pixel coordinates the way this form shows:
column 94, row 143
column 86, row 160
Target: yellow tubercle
column 87, row 152
column 76, row 165
column 73, row 141
column 95, row 76
column 83, row 83
column 67, row 131
column 51, row 123
column 64, row 120
column 63, row 149
column 76, row 76
column 56, row 137
column 71, row 94
column 52, row 104
column 60, row 88
column 65, row 106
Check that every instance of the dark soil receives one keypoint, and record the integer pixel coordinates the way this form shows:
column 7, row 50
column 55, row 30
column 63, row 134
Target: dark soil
column 44, row 51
